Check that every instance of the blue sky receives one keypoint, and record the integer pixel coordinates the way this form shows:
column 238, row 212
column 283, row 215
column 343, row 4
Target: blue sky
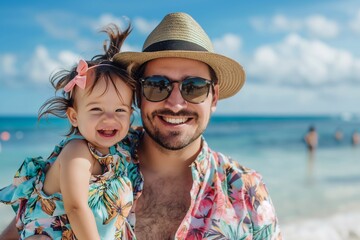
column 301, row 57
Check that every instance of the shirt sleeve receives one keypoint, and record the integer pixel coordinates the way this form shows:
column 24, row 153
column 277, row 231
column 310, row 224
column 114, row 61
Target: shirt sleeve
column 262, row 211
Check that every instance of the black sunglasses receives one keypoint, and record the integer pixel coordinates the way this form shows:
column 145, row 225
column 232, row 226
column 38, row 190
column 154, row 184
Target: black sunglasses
column 158, row 88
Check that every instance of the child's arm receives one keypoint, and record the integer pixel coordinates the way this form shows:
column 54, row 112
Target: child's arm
column 10, row 232
column 76, row 165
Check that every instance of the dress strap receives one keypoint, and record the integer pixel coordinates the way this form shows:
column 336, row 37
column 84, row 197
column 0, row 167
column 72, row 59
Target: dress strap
column 128, row 225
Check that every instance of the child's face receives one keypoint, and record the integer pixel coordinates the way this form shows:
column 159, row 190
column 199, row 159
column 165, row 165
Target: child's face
column 101, row 116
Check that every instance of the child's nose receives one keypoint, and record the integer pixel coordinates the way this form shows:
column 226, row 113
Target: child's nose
column 109, row 116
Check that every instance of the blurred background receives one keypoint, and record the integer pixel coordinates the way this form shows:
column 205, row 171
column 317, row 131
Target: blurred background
column 302, row 62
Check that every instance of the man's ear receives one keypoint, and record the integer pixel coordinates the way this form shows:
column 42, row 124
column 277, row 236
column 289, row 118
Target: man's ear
column 215, row 98
column 72, row 116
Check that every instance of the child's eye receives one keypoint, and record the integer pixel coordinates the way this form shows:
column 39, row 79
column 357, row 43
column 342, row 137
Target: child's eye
column 120, row 110
column 95, row 109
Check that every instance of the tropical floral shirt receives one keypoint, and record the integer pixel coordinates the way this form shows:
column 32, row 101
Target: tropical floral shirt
column 228, row 201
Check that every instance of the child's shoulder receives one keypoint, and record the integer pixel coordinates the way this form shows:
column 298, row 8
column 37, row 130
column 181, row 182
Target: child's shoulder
column 72, row 142
column 69, row 144
column 72, row 145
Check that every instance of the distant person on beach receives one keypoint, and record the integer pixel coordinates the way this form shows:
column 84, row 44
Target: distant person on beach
column 339, row 135
column 311, row 139
column 355, row 138
column 183, row 189
column 87, row 193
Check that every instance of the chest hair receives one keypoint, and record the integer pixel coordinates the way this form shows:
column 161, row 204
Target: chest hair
column 161, row 209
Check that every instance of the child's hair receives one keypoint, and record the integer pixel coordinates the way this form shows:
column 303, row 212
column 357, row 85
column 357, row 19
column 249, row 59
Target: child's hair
column 105, row 68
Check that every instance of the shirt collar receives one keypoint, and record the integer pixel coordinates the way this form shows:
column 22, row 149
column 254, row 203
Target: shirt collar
column 202, row 161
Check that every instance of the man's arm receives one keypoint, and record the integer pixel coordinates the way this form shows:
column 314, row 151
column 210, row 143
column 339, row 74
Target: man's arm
column 10, row 232
column 264, row 219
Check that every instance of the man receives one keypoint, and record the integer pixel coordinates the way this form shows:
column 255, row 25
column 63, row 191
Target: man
column 190, row 191
column 186, row 190
column 311, row 139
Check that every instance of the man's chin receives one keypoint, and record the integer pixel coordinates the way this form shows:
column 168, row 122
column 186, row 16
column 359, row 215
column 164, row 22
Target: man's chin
column 171, row 141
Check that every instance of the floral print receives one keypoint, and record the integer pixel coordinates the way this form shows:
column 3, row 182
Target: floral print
column 228, row 201
column 110, row 197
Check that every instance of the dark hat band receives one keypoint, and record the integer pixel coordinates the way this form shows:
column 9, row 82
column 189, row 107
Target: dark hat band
column 173, row 45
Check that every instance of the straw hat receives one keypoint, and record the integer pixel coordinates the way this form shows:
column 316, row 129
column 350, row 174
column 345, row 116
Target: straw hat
column 179, row 35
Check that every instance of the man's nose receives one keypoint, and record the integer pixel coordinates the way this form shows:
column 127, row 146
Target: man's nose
column 175, row 101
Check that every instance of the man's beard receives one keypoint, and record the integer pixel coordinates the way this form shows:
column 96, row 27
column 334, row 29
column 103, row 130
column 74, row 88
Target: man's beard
column 172, row 140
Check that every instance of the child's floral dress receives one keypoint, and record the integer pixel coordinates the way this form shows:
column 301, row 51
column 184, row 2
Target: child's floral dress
column 110, row 197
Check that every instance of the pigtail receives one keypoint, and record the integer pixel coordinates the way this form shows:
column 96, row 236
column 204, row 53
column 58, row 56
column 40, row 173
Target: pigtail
column 115, row 42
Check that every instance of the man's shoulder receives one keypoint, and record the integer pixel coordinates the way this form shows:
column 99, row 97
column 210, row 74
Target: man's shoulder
column 235, row 175
column 227, row 162
column 234, row 171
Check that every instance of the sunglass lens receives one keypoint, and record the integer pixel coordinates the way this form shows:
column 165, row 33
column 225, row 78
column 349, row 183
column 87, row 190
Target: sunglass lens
column 156, row 88
column 195, row 90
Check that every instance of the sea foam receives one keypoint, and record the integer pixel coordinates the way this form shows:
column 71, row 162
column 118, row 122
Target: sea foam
column 343, row 226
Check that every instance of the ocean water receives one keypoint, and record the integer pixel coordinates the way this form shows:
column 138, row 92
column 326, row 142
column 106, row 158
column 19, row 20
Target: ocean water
column 316, row 196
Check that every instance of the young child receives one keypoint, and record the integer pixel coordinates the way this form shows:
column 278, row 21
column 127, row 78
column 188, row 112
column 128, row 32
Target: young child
column 91, row 191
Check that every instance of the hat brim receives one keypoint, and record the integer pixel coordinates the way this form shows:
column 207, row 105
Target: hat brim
column 230, row 74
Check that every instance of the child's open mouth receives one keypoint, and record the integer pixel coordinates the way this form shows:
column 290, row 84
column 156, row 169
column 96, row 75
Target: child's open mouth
column 107, row 133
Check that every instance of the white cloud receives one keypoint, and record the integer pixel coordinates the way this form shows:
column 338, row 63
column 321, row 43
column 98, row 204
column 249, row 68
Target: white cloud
column 9, row 70
column 281, row 23
column 121, row 22
column 67, row 59
column 257, row 23
column 270, row 99
column 278, row 23
column 58, row 25
column 8, row 65
column 106, row 19
column 322, row 27
column 130, row 48
column 97, row 48
column 229, row 45
column 315, row 25
column 41, row 65
column 144, row 26
column 76, row 30
column 355, row 23
column 301, row 62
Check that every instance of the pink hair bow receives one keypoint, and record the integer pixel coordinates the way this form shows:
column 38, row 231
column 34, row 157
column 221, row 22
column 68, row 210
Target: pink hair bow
column 80, row 78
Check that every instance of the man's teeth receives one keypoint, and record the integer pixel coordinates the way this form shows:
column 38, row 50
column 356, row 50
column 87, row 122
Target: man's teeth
column 175, row 120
